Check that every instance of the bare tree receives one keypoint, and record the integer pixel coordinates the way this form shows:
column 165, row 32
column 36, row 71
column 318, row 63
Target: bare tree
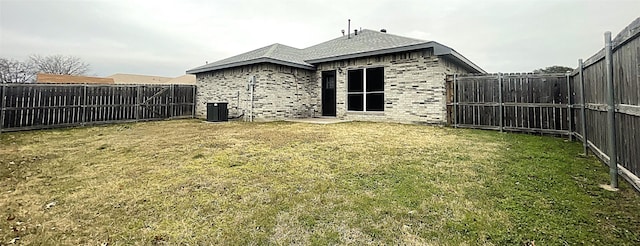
column 59, row 64
column 14, row 71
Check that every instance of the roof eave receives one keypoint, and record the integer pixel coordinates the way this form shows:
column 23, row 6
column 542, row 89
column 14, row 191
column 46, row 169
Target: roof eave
column 250, row 62
column 372, row 53
column 438, row 50
column 466, row 62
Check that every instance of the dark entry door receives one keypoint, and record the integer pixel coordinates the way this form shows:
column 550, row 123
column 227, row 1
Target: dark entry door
column 329, row 93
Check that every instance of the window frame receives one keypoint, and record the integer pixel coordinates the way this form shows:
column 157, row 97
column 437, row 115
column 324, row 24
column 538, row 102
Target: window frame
column 364, row 91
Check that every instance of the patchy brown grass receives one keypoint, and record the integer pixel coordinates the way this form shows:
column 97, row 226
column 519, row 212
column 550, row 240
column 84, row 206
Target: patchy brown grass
column 185, row 181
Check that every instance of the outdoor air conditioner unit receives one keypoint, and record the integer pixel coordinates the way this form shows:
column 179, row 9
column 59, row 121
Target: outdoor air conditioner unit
column 217, row 112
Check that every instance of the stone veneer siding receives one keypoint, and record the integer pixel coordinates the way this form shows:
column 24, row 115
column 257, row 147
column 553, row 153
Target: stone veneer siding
column 414, row 86
column 280, row 92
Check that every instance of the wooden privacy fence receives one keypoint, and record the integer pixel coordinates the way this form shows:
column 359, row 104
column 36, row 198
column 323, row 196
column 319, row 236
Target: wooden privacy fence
column 511, row 102
column 590, row 92
column 574, row 104
column 39, row 106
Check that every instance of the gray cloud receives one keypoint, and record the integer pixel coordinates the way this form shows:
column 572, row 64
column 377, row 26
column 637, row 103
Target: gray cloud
column 168, row 37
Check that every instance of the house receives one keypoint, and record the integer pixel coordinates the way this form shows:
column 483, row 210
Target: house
column 123, row 78
column 187, row 79
column 119, row 78
column 44, row 78
column 366, row 75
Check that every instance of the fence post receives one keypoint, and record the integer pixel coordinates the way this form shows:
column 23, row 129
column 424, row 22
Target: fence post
column 195, row 101
column 171, row 101
column 455, row 102
column 569, row 108
column 2, row 104
column 84, row 105
column 138, row 101
column 585, row 143
column 611, row 113
column 500, row 103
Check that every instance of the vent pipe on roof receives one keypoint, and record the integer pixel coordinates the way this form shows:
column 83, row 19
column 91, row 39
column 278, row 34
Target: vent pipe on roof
column 355, row 32
column 348, row 29
column 383, row 30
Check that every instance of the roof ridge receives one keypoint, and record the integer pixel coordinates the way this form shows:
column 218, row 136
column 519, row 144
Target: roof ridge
column 271, row 50
column 369, row 42
column 391, row 34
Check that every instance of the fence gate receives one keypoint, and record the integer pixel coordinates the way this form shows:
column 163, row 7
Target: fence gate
column 510, row 102
column 156, row 102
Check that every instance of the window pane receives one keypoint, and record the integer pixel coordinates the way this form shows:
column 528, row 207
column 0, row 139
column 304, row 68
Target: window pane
column 375, row 79
column 355, row 81
column 354, row 102
column 375, row 101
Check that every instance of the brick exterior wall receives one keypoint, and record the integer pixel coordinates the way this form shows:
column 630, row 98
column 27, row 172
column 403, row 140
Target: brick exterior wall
column 414, row 89
column 280, row 92
column 414, row 86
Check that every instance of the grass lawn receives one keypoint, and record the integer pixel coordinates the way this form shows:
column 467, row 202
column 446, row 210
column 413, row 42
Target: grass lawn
column 188, row 182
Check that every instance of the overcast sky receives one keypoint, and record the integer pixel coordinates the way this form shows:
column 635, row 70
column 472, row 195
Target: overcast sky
column 166, row 38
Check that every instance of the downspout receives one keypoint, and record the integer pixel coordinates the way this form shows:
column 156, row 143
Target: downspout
column 252, row 83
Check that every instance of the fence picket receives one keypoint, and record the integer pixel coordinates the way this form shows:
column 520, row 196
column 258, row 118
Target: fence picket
column 3, row 90
column 39, row 106
column 486, row 94
column 548, row 106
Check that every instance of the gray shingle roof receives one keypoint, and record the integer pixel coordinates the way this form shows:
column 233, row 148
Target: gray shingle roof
column 275, row 53
column 366, row 43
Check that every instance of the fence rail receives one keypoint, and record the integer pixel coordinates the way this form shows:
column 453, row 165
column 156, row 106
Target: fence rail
column 574, row 104
column 511, row 102
column 39, row 106
column 590, row 80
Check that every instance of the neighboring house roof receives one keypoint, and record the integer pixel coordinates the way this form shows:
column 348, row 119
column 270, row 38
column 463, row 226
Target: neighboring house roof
column 70, row 79
column 123, row 78
column 187, row 79
column 366, row 43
